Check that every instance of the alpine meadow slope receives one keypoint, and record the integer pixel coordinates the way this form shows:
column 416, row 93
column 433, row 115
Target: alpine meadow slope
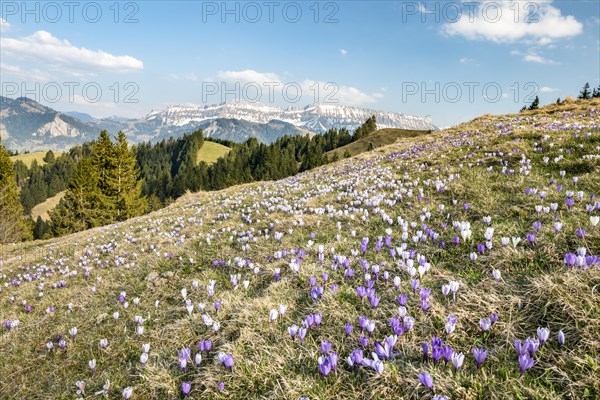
column 461, row 263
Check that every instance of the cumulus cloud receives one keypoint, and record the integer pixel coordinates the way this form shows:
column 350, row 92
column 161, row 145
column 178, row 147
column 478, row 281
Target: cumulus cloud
column 312, row 91
column 500, row 22
column 343, row 52
column 43, row 46
column 547, row 89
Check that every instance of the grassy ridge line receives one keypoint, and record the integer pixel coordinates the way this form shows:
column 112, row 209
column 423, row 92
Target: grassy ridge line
column 379, row 138
column 536, row 288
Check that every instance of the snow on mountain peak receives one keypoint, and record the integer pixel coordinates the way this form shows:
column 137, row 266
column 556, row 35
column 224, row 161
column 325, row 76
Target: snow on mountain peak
column 316, row 117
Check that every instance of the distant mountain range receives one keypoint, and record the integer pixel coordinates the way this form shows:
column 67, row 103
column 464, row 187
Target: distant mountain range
column 28, row 125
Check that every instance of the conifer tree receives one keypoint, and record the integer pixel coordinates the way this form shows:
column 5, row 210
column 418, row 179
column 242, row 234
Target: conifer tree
column 535, row 104
column 41, row 229
column 13, row 226
column 585, row 92
column 124, row 182
column 82, row 206
column 104, row 160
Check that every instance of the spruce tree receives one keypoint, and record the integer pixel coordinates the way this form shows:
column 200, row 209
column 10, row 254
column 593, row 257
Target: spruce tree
column 13, row 226
column 585, row 92
column 82, row 206
column 126, row 188
column 41, row 229
column 535, row 104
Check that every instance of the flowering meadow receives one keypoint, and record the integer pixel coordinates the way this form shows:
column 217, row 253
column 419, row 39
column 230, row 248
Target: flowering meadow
column 462, row 264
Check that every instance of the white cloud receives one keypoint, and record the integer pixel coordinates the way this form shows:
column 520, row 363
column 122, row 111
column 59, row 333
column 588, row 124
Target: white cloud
column 4, row 25
column 535, row 58
column 547, row 89
column 43, row 46
column 312, row 90
column 35, row 75
column 331, row 92
column 532, row 57
column 247, row 76
column 191, row 77
column 499, row 21
column 343, row 52
column 466, row 60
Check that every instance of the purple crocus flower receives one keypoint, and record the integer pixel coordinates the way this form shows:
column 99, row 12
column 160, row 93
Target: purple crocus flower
column 293, row 331
column 386, row 350
column 532, row 345
column 437, row 352
column 374, row 300
column 226, row 360
column 221, row 386
column 447, row 353
column 326, row 364
column 543, row 335
column 530, row 237
column 480, row 356
column 457, row 360
column 561, row 338
column 493, row 318
column 318, row 318
column 326, row 347
column 310, row 320
column 364, row 342
column 569, row 202
column 485, row 324
column 525, row 362
column 301, row 334
column 426, row 380
column 580, row 233
column 537, row 225
column 348, row 329
column 414, row 284
column 186, row 387
column 355, row 359
column 402, row 299
column 425, row 350
column 481, row 248
column 519, row 347
column 570, row 259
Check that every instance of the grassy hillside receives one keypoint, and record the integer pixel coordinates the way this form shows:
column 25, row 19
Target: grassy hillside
column 379, row 138
column 28, row 158
column 42, row 209
column 210, row 152
column 503, row 210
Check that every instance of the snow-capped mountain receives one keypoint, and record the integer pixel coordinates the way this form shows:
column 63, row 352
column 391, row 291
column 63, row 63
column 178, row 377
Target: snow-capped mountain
column 316, row 118
column 28, row 125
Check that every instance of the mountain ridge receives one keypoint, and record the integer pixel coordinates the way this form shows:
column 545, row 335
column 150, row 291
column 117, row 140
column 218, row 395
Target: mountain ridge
column 28, row 125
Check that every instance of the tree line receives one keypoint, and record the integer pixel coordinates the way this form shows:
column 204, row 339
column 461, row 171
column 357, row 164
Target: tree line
column 108, row 181
column 584, row 94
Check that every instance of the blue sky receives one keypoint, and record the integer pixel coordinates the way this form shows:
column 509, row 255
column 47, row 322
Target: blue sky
column 448, row 59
